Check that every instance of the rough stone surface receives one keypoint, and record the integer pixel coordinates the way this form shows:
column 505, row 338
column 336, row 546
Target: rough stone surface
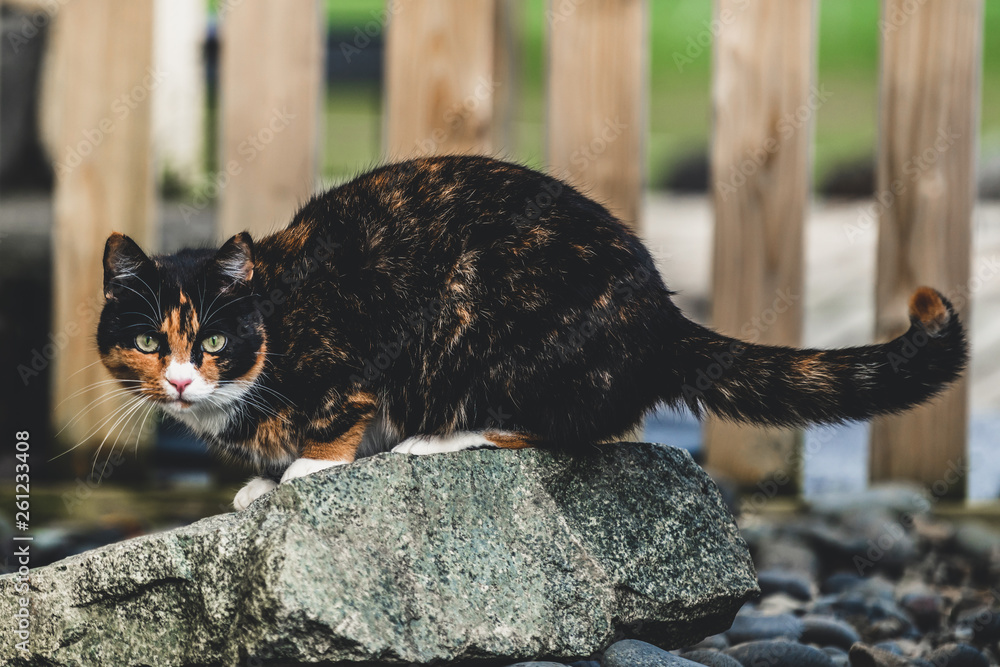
column 474, row 556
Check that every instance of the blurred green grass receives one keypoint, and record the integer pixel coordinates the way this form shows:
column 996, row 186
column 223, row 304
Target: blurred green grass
column 679, row 104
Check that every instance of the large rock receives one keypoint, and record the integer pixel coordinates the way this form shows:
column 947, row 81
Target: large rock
column 399, row 559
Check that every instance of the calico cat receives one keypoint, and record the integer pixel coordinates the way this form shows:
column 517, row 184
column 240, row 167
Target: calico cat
column 448, row 303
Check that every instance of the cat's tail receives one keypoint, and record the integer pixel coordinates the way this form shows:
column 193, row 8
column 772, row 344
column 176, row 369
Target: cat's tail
column 782, row 386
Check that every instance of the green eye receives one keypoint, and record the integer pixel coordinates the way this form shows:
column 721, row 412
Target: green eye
column 213, row 343
column 147, row 342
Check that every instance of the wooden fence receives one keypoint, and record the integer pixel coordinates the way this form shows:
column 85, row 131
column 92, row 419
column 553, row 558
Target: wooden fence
column 443, row 53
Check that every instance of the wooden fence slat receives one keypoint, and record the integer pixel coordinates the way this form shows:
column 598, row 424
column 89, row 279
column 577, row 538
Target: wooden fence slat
column 764, row 102
column 441, row 81
column 271, row 100
column 98, row 130
column 597, row 99
column 928, row 125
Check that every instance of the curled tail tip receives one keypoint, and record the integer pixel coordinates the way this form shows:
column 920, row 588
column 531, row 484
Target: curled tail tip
column 931, row 310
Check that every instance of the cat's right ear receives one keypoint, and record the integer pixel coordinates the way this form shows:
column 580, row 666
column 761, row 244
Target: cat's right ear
column 123, row 258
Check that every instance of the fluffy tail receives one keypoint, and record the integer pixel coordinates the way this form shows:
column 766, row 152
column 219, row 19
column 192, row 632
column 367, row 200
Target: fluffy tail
column 782, row 386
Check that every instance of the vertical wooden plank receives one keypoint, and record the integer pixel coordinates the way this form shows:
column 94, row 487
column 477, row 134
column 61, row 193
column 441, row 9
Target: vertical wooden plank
column 597, row 99
column 928, row 124
column 441, row 82
column 507, row 49
column 98, row 100
column 764, row 102
column 271, row 96
column 179, row 103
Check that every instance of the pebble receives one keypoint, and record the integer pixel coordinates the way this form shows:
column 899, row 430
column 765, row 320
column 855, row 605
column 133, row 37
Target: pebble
column 838, row 656
column 791, row 555
column 825, row 631
column 978, row 541
column 848, row 589
column 752, row 626
column 924, row 608
column 957, row 655
column 779, row 653
column 840, row 582
column 895, row 498
column 789, row 583
column 714, row 642
column 982, row 623
column 863, row 655
column 634, row 653
column 711, row 658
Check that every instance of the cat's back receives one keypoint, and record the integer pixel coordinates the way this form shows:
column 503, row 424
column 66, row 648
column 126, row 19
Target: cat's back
column 474, row 202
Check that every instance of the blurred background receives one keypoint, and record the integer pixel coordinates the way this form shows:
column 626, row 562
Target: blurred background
column 181, row 122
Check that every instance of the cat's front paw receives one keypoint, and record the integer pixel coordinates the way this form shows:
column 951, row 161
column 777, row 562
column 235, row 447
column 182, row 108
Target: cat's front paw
column 440, row 444
column 302, row 467
column 254, row 489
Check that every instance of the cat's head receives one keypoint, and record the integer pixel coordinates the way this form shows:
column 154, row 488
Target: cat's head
column 181, row 330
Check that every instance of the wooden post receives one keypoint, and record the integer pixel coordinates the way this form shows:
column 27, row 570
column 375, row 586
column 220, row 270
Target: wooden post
column 764, row 100
column 441, row 78
column 179, row 103
column 928, row 124
column 597, row 93
column 271, row 97
column 98, row 130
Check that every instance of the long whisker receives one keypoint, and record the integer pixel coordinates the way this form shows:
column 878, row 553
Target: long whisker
column 127, row 415
column 99, row 426
column 142, row 426
column 94, row 385
column 83, row 369
column 90, row 407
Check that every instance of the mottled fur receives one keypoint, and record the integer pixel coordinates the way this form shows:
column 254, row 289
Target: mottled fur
column 459, row 294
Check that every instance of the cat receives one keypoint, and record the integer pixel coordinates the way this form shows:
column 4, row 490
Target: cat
column 449, row 303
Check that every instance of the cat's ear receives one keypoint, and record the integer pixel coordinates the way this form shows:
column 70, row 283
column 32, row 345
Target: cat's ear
column 235, row 260
column 123, row 258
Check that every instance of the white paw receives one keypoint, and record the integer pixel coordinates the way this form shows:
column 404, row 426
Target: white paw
column 303, row 467
column 254, row 489
column 440, row 444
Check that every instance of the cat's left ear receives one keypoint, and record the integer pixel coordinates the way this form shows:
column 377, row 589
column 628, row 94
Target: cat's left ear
column 235, row 260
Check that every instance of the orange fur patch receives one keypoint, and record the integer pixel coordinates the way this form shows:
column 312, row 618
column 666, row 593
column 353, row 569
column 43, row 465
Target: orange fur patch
column 274, row 438
column 341, row 449
column 130, row 364
column 510, row 440
column 926, row 305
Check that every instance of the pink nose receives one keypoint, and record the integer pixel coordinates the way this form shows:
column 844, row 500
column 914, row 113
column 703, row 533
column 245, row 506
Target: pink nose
column 179, row 385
